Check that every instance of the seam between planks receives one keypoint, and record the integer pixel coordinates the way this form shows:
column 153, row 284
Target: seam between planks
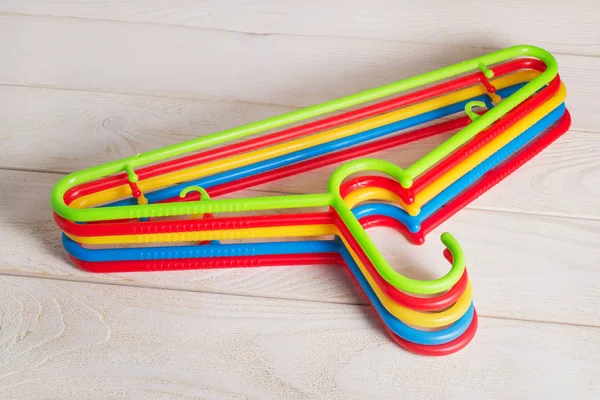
column 245, row 295
column 539, row 214
column 241, row 32
column 190, row 98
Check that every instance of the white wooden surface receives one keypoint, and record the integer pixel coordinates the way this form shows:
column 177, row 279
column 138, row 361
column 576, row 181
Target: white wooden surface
column 85, row 82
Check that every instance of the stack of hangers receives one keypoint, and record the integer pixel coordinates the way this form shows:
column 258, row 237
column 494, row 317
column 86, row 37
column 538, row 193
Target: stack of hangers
column 500, row 109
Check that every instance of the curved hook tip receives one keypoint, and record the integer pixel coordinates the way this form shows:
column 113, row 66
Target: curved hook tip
column 203, row 193
column 454, row 247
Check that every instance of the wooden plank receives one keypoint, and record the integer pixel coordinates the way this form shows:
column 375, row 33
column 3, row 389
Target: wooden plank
column 562, row 27
column 522, row 266
column 73, row 340
column 61, row 130
column 66, row 130
column 191, row 63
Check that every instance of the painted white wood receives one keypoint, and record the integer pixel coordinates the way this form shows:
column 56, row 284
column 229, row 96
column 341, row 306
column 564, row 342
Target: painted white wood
column 569, row 27
column 522, row 266
column 121, row 77
column 72, row 340
column 294, row 71
column 43, row 125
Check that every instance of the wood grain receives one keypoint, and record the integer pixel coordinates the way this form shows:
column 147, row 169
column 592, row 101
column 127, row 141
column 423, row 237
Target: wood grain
column 182, row 62
column 73, row 340
column 512, row 259
column 469, row 23
column 86, row 82
column 43, row 125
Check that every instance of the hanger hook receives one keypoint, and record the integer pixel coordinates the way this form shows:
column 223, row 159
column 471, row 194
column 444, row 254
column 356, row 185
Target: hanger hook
column 203, row 193
column 469, row 109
